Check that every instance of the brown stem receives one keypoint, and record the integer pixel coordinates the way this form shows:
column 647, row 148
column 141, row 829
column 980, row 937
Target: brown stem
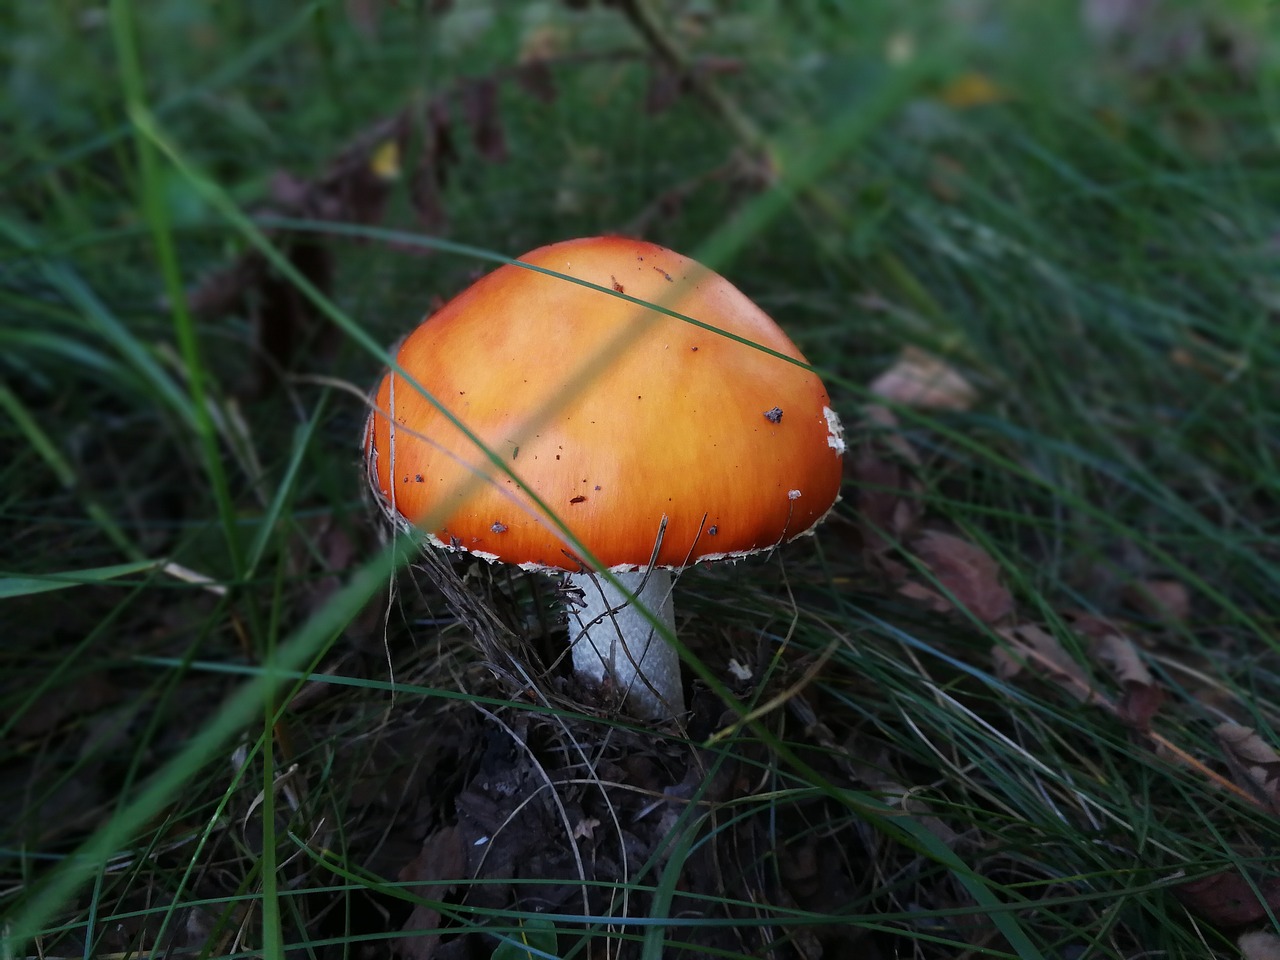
column 646, row 23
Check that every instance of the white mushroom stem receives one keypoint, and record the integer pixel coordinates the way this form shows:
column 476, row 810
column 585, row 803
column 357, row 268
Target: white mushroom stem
column 614, row 643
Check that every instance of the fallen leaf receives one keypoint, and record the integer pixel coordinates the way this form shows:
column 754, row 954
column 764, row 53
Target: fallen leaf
column 895, row 794
column 480, row 106
column 385, row 160
column 287, row 191
column 353, row 188
column 920, row 380
column 1091, row 625
column 918, row 592
column 443, row 857
column 966, row 573
column 1142, row 697
column 1259, row 945
column 1229, row 899
column 1165, row 600
column 882, row 470
column 283, row 318
column 1029, row 647
column 543, row 41
column 1138, row 706
column 1121, row 657
column 330, row 543
column 436, row 157
column 1254, row 763
column 971, row 89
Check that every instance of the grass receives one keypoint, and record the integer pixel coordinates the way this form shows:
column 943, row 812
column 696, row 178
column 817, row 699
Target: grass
column 223, row 727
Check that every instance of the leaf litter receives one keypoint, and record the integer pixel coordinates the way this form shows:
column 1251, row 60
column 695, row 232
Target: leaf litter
column 559, row 815
column 564, row 814
column 962, row 575
column 923, row 381
column 476, row 803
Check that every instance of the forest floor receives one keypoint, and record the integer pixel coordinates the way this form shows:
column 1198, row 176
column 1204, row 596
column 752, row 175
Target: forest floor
column 1017, row 697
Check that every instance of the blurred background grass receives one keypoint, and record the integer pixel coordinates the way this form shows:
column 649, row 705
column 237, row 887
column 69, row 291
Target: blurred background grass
column 1072, row 204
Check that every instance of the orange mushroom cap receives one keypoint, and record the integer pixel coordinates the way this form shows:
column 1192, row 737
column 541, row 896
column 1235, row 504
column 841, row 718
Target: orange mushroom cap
column 615, row 415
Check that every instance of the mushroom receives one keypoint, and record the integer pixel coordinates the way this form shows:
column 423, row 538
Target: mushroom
column 604, row 433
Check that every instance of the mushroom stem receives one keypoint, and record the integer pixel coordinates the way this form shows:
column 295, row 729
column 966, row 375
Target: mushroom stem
column 615, row 644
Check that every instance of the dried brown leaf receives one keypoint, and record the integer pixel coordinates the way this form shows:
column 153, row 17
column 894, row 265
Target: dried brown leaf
column 930, row 598
column 283, row 318
column 895, row 794
column 1165, row 599
column 971, row 89
column 1121, row 657
column 1007, row 664
column 443, row 857
column 1229, row 899
column 1034, row 649
column 1092, row 626
column 353, row 188
column 333, row 544
column 888, row 499
column 919, row 379
column 1142, row 697
column 1254, row 763
column 1138, row 706
column 882, row 469
column 543, row 41
column 480, row 107
column 966, row 572
column 437, row 157
column 1259, row 945
column 358, row 182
